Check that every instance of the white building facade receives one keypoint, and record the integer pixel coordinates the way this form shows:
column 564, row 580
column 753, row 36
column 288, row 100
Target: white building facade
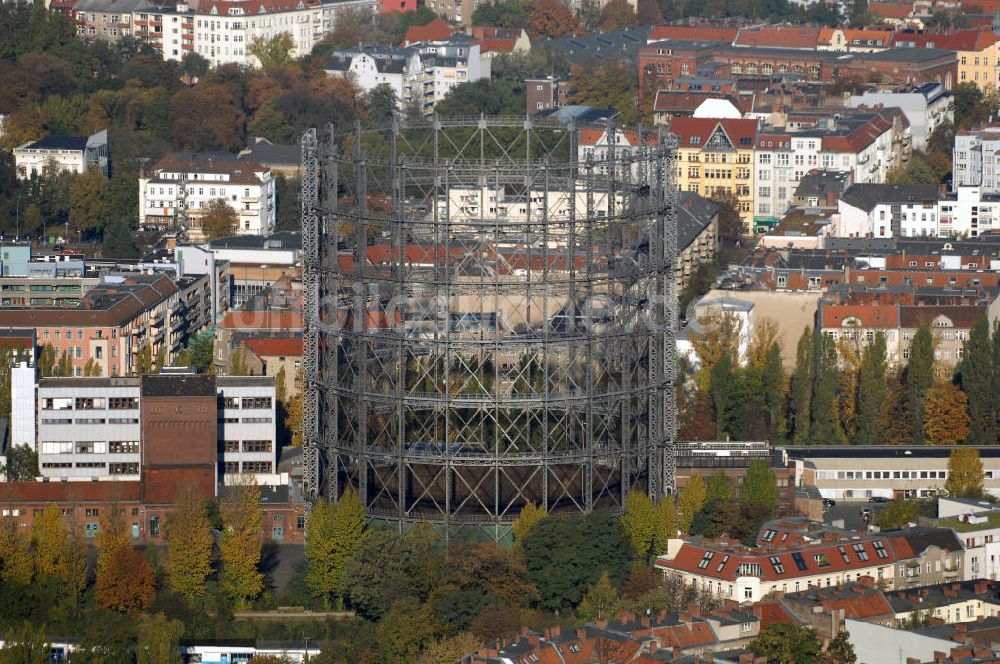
column 184, row 186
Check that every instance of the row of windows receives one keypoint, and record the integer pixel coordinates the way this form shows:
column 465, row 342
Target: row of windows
column 91, row 447
column 881, row 474
column 247, row 402
column 233, row 467
column 233, row 446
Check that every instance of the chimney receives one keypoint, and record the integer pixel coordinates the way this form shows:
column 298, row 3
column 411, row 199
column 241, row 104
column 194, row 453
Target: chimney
column 581, row 633
column 981, row 587
column 867, row 581
column 602, row 623
column 645, row 621
column 661, row 615
column 939, row 656
column 676, row 652
column 693, row 609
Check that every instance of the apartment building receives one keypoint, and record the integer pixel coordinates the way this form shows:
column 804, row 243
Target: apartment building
column 716, row 155
column 976, row 159
column 222, row 31
column 543, row 94
column 107, row 20
column 115, row 321
column 180, row 188
column 421, row 74
column 255, row 261
column 866, row 144
column 926, row 107
column 59, row 154
column 915, row 211
column 107, row 428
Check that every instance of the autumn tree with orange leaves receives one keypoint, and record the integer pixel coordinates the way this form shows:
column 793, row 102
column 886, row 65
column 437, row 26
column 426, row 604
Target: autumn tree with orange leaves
column 129, row 584
column 946, row 414
column 551, row 18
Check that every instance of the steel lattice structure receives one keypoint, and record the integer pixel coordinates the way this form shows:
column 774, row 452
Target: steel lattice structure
column 490, row 317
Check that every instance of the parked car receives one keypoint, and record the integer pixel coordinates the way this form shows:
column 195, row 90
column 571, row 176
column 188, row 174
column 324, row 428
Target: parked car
column 879, row 499
column 829, row 502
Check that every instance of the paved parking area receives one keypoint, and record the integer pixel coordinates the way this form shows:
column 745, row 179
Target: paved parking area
column 850, row 512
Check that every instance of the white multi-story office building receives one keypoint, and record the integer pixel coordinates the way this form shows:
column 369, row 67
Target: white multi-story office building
column 185, row 186
column 91, row 428
column 976, row 160
column 57, row 154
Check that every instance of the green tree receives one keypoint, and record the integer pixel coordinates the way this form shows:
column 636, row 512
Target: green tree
column 112, row 533
column 965, row 473
column 144, row 361
column 189, row 547
column 381, row 103
column 995, row 375
column 773, row 379
column 800, row 392
column 608, row 83
column 600, row 600
column 406, row 629
column 871, row 393
column 25, row 646
column 567, row 552
column 273, row 53
column 89, row 208
column 159, row 640
column 897, row 514
column 976, row 370
column 719, row 488
column 334, row 536
column 639, row 524
column 666, row 524
column 721, row 388
column 529, row 517
column 786, row 643
column 47, row 361
column 65, row 368
column 824, row 426
column 919, row 378
column 119, row 242
column 839, row 650
column 22, row 463
column 690, row 502
column 449, row 649
column 240, row 579
column 759, row 486
column 503, row 14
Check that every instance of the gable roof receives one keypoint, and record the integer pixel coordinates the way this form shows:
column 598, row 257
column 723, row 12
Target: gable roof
column 779, row 36
column 437, row 30
column 695, row 132
column 274, row 346
column 869, row 316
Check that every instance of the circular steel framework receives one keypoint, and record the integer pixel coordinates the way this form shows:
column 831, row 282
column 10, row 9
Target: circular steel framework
column 490, row 317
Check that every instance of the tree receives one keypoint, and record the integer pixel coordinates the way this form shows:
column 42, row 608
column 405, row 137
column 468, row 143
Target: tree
column 219, row 220
column 406, row 629
column 731, row 224
column 295, row 410
column 786, row 643
column 49, row 538
column 322, row 579
column 112, row 533
column 965, row 473
column 773, row 377
column 15, row 555
column 159, row 640
column 719, row 488
column 721, row 388
column 824, row 425
column 65, row 368
column 238, row 363
column 917, row 171
column 600, row 600
column 550, row 18
column 194, row 64
column 22, row 464
column 690, row 502
column 189, row 547
column 759, row 486
column 616, row 15
column 144, row 361
column 487, row 96
column 529, row 517
column 129, row 585
column 25, row 646
column 505, row 14
column 897, row 514
column 946, row 415
column 119, row 242
column 666, row 524
column 639, row 524
column 718, row 337
column 449, row 649
column 995, row 376
column 381, row 103
column 919, row 377
column 567, row 552
column 274, row 52
column 47, row 361
column 871, row 392
column 800, row 392
column 976, row 370
column 92, row 368
column 496, row 573
column 606, row 83
column 89, row 207
column 839, row 650
column 239, row 549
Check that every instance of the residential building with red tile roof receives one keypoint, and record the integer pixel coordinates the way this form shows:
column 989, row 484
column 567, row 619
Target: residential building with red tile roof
column 895, row 559
column 976, row 52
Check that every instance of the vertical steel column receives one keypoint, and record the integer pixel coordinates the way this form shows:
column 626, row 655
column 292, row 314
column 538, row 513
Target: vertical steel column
column 310, row 332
